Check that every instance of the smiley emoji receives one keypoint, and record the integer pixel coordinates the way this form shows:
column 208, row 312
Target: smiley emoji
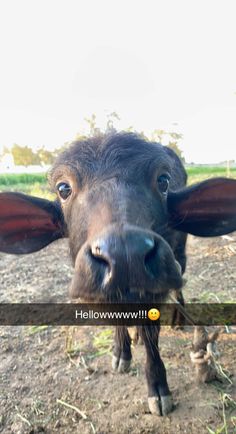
column 154, row 314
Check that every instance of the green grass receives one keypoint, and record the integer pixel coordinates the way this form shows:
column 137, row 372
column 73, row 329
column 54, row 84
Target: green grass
column 228, row 405
column 199, row 173
column 102, row 343
column 22, row 179
column 205, row 170
column 33, row 184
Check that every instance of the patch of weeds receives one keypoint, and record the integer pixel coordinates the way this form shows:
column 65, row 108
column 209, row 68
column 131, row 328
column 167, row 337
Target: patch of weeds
column 180, row 341
column 72, row 407
column 72, row 348
column 98, row 403
column 38, row 407
column 102, row 342
column 233, row 422
column 22, row 417
column 31, row 330
column 228, row 405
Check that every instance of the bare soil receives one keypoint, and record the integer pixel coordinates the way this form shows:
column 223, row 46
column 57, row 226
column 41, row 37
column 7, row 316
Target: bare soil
column 59, row 380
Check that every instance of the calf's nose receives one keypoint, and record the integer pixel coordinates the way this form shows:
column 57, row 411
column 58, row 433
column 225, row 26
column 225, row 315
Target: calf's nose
column 116, row 257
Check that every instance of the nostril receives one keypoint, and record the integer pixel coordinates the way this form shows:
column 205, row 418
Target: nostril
column 150, row 260
column 97, row 256
column 100, row 264
column 96, row 250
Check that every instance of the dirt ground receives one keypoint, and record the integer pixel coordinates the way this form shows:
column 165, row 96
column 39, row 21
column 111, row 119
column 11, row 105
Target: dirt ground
column 59, row 380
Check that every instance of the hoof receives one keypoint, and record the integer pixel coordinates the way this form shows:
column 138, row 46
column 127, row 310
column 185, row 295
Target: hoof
column 154, row 405
column 162, row 406
column 167, row 404
column 115, row 363
column 120, row 365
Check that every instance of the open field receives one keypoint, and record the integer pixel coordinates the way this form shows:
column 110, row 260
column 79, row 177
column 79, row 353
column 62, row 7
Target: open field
column 34, row 184
column 22, row 179
column 199, row 173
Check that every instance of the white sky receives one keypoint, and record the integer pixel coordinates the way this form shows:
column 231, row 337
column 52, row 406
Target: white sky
column 156, row 63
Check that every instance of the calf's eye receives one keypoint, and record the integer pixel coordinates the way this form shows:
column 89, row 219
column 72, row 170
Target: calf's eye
column 163, row 183
column 64, row 190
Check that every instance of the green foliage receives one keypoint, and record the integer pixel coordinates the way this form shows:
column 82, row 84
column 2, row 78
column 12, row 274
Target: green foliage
column 45, row 156
column 209, row 170
column 102, row 343
column 199, row 173
column 95, row 130
column 33, row 184
column 157, row 135
column 92, row 124
column 22, row 178
column 24, row 155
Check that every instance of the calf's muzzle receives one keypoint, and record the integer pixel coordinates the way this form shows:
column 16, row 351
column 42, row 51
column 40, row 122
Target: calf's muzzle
column 122, row 264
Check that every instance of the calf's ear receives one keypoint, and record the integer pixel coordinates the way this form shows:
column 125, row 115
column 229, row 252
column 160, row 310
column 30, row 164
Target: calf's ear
column 206, row 209
column 28, row 223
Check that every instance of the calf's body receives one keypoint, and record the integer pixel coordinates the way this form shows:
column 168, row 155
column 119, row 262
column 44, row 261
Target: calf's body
column 123, row 204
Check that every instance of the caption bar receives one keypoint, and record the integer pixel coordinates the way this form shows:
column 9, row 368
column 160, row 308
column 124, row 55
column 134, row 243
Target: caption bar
column 115, row 314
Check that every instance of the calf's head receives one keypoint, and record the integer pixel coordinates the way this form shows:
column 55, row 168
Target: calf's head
column 123, row 204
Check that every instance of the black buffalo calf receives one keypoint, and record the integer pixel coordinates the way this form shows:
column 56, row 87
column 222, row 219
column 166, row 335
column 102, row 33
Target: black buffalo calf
column 124, row 206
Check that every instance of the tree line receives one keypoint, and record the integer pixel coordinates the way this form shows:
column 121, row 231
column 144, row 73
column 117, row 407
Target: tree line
column 26, row 156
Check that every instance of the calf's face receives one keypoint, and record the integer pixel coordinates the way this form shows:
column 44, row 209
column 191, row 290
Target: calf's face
column 113, row 195
column 123, row 205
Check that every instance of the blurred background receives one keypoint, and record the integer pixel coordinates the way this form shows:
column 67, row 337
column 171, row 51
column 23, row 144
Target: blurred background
column 77, row 68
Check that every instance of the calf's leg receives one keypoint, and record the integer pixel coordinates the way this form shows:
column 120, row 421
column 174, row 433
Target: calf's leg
column 178, row 320
column 122, row 356
column 159, row 396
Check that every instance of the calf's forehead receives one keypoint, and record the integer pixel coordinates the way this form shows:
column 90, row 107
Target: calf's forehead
column 125, row 154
